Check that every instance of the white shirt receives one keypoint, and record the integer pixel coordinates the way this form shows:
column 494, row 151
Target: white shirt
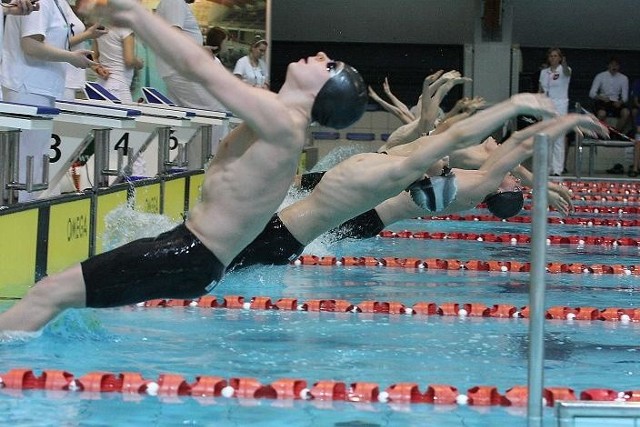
column 555, row 84
column 75, row 77
column 255, row 76
column 613, row 86
column 22, row 72
column 111, row 47
column 178, row 14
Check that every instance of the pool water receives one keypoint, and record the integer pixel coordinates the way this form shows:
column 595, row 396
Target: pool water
column 347, row 347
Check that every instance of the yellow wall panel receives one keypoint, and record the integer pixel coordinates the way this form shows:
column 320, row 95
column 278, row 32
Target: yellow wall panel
column 195, row 185
column 69, row 234
column 147, row 198
column 18, row 252
column 173, row 198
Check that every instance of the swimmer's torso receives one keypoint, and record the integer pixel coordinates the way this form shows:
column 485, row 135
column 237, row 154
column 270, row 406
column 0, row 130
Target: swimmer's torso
column 238, row 187
column 347, row 190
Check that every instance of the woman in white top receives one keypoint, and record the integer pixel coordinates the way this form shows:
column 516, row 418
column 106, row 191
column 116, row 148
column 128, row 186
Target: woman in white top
column 36, row 48
column 252, row 68
column 554, row 82
column 15, row 7
column 79, row 34
column 116, row 53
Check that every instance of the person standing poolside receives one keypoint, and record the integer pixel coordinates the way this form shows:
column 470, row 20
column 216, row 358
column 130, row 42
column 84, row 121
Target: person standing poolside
column 34, row 57
column 116, row 54
column 252, row 67
column 554, row 82
column 15, row 7
column 241, row 190
column 181, row 90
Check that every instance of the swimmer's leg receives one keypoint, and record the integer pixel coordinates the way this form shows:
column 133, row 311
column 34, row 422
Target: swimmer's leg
column 44, row 301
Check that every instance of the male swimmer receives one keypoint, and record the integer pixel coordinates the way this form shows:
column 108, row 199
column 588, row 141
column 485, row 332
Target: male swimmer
column 244, row 185
column 371, row 182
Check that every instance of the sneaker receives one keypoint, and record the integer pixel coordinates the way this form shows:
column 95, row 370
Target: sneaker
column 617, row 169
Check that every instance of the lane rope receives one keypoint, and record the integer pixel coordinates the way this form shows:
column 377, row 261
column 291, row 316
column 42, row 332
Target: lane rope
column 511, row 238
column 587, row 222
column 422, row 308
column 473, row 265
column 169, row 387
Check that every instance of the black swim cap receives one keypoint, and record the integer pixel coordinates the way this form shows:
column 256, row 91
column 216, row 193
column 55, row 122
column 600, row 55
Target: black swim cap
column 506, row 204
column 342, row 99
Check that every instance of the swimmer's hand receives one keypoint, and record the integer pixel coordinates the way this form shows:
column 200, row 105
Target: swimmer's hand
column 81, row 58
column 433, row 77
column 559, row 198
column 20, row 7
column 534, row 104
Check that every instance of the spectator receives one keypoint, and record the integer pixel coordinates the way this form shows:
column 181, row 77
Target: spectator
column 15, row 7
column 116, row 54
column 181, row 90
column 76, row 78
column 610, row 92
column 554, row 82
column 36, row 48
column 252, row 68
column 214, row 41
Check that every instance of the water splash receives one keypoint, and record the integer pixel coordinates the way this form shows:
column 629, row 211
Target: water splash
column 18, row 337
column 125, row 224
column 337, row 155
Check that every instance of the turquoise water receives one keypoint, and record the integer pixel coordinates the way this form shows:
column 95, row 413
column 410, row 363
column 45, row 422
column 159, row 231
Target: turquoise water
column 346, row 347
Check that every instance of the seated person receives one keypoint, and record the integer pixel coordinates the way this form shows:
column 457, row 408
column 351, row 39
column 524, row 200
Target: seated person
column 610, row 92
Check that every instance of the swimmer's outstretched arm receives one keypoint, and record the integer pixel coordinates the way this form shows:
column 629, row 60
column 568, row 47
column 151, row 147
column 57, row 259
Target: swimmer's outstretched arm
column 468, row 132
column 260, row 109
column 519, row 146
column 428, row 117
column 402, row 107
column 390, row 108
column 558, row 195
column 411, row 131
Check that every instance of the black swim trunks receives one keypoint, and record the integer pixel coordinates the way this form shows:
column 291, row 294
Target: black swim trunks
column 308, row 181
column 363, row 226
column 275, row 245
column 174, row 264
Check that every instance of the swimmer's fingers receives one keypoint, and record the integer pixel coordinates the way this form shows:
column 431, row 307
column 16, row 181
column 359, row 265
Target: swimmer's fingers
column 535, row 104
column 433, row 77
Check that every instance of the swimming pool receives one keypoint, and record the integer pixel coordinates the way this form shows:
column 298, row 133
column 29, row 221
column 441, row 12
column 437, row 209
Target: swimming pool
column 478, row 356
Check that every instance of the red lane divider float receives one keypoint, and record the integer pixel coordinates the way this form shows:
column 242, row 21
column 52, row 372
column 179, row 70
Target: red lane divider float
column 512, row 238
column 597, row 197
column 612, row 314
column 476, row 265
column 588, row 222
column 632, row 187
column 609, row 210
column 169, row 386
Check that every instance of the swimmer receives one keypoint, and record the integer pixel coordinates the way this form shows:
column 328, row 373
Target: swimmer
column 245, row 183
column 365, row 181
column 435, row 87
column 474, row 156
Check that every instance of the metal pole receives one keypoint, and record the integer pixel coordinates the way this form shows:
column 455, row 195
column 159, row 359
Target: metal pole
column 537, row 285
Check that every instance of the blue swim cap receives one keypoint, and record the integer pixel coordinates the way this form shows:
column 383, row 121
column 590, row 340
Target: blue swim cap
column 343, row 98
column 505, row 204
